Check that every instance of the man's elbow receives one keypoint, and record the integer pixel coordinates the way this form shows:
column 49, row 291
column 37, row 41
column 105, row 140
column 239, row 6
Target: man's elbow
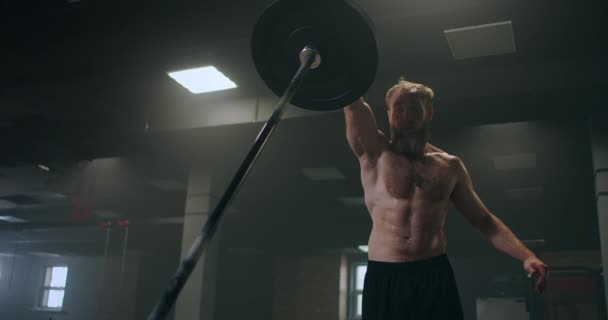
column 488, row 226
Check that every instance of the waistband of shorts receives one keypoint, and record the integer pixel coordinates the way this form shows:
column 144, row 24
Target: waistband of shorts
column 409, row 266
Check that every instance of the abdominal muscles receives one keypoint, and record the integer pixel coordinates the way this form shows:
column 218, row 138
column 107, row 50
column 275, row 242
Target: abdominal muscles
column 407, row 229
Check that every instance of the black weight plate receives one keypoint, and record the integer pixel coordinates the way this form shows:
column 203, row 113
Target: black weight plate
column 341, row 32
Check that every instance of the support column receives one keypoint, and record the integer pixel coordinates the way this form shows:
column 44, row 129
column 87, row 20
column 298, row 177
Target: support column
column 196, row 301
column 599, row 143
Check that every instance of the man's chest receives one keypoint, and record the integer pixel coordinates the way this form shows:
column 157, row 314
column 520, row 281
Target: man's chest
column 399, row 177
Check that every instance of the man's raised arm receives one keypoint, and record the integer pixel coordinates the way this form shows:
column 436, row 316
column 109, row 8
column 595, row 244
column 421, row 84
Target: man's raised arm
column 362, row 132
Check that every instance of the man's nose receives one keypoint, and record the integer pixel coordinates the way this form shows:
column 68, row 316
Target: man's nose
column 414, row 111
column 406, row 112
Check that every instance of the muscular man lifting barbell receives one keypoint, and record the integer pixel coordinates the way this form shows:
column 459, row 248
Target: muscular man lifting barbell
column 408, row 185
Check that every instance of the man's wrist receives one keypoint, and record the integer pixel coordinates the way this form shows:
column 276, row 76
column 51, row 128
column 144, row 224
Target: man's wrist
column 529, row 255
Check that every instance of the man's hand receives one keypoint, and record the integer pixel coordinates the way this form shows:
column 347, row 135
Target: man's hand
column 539, row 269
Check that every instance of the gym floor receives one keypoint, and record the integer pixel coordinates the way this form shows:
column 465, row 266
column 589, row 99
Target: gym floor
column 109, row 166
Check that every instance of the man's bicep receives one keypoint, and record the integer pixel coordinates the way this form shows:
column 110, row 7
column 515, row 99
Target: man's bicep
column 362, row 132
column 466, row 200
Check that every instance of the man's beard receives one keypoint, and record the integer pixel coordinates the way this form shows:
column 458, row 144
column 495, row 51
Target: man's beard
column 411, row 143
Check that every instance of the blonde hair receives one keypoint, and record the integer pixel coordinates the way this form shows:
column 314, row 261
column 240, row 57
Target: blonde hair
column 424, row 94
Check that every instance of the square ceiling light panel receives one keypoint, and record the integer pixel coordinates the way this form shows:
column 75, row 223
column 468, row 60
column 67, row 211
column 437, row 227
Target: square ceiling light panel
column 481, row 41
column 202, row 80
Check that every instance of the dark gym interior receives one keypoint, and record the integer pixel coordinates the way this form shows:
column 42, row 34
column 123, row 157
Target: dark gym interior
column 109, row 167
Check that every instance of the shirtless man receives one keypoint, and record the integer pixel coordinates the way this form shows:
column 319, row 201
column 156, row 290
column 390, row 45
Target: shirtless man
column 408, row 185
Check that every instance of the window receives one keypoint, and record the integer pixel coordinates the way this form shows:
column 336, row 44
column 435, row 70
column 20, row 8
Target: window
column 356, row 292
column 53, row 290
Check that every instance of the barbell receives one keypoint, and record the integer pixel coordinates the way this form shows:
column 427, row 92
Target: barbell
column 317, row 54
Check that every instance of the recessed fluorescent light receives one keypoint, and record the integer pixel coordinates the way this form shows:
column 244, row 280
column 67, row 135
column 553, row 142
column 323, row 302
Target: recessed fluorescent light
column 174, row 220
column 47, row 195
column 11, row 219
column 106, row 214
column 43, row 167
column 363, row 248
column 45, row 254
column 525, row 193
column 53, row 241
column 6, row 205
column 535, row 243
column 322, row 174
column 201, row 80
column 352, row 201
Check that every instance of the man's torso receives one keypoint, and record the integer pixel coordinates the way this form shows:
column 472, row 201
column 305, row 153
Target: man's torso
column 408, row 201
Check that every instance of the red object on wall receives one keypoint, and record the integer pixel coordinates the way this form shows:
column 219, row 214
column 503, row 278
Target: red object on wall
column 105, row 225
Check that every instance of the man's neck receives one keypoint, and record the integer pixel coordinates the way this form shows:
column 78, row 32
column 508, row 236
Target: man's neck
column 412, row 145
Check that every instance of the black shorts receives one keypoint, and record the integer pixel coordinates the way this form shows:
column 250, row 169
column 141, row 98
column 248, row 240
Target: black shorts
column 417, row 290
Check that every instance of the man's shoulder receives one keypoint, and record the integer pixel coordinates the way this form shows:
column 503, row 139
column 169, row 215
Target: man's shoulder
column 439, row 153
column 446, row 158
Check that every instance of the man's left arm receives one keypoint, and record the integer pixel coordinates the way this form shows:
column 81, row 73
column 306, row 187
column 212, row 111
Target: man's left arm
column 465, row 199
